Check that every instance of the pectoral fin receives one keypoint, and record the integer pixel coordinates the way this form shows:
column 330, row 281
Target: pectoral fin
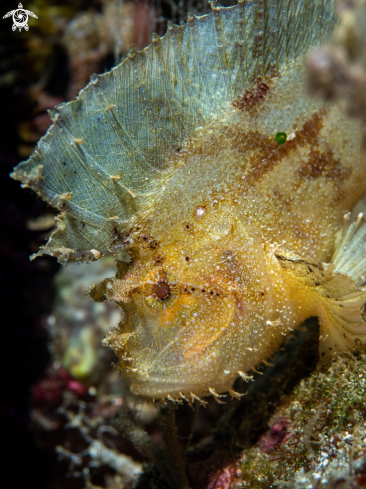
column 341, row 309
column 337, row 290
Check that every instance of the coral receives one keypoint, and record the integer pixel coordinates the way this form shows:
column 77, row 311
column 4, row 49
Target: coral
column 98, row 450
column 325, row 443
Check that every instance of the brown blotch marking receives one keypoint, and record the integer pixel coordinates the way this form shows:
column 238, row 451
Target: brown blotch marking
column 147, row 241
column 116, row 234
column 251, row 98
column 267, row 153
column 153, row 245
column 324, row 165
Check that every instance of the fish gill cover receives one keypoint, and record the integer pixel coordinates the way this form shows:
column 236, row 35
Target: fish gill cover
column 111, row 152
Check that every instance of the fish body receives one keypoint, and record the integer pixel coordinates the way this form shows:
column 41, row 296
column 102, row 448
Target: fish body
column 236, row 236
column 225, row 254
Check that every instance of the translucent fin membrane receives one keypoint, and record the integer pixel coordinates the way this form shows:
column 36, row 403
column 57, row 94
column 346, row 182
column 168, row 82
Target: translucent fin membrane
column 349, row 257
column 110, row 150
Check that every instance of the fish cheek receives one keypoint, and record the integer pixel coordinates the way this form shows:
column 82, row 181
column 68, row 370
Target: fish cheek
column 152, row 327
column 206, row 322
column 188, row 330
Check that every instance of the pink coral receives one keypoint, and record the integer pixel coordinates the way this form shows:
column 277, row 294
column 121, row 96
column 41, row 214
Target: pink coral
column 225, row 478
column 278, row 433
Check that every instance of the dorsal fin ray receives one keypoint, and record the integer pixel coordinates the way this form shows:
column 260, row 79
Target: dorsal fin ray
column 109, row 149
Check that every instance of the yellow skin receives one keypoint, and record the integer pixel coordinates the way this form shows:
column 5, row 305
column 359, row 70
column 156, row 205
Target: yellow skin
column 228, row 297
column 221, row 314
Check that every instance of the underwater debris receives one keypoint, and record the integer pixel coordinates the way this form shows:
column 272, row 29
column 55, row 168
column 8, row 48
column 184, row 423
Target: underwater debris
column 143, row 147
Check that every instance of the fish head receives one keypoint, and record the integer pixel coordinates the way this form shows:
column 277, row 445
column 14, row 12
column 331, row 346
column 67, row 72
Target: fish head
column 191, row 307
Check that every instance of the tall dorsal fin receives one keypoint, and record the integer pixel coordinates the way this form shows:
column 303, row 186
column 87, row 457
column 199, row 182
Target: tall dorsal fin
column 105, row 160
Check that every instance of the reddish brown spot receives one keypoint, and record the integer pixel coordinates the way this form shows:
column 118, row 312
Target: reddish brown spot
column 323, row 164
column 161, row 290
column 251, row 98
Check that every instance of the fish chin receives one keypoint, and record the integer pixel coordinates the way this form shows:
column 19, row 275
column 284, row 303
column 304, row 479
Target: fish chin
column 179, row 361
column 173, row 376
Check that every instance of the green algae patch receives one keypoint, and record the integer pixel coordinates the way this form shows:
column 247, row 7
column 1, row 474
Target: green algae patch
column 325, row 423
column 281, row 138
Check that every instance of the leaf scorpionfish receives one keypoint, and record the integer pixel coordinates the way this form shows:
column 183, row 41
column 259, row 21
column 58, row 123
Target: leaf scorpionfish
column 230, row 188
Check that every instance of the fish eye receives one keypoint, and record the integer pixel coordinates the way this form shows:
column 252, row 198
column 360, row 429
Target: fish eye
column 160, row 289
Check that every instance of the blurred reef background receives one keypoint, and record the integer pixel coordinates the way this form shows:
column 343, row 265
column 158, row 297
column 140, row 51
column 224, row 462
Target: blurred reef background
column 299, row 426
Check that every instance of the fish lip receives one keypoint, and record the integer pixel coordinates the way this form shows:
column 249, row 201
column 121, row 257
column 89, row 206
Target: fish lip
column 159, row 386
column 160, row 389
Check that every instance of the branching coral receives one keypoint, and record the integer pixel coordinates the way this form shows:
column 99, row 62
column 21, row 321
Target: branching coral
column 97, row 449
